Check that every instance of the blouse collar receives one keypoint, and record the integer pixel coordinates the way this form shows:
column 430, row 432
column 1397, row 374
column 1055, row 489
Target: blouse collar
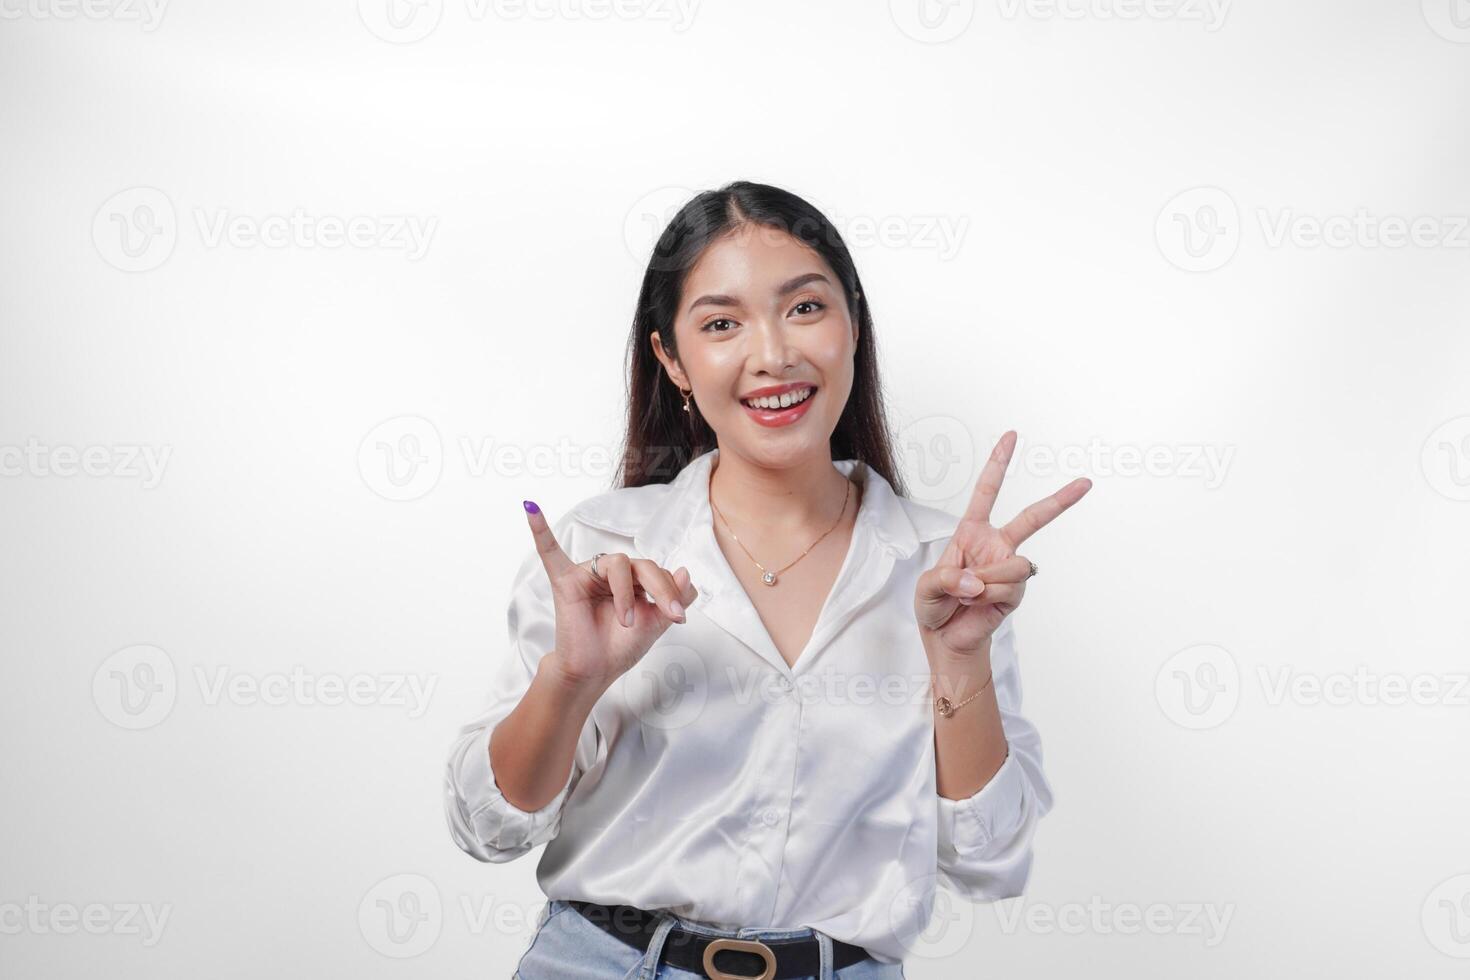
column 679, row 530
column 686, row 507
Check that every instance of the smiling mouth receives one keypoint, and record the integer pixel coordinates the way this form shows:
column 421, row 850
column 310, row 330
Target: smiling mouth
column 775, row 403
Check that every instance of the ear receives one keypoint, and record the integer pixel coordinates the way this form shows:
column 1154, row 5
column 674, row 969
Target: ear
column 671, row 366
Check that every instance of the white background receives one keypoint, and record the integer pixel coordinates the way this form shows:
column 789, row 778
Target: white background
column 1129, row 265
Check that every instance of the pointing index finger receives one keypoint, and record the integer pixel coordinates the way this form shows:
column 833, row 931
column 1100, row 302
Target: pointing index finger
column 552, row 557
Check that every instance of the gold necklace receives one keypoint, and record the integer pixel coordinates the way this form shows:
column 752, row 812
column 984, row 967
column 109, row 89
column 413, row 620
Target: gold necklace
column 768, row 576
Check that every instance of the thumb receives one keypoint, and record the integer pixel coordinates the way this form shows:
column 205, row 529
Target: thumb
column 687, row 592
column 938, row 593
column 553, row 558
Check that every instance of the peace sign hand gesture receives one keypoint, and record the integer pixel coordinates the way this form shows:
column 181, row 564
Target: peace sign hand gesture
column 979, row 580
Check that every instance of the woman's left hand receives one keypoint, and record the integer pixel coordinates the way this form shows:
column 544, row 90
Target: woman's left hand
column 956, row 615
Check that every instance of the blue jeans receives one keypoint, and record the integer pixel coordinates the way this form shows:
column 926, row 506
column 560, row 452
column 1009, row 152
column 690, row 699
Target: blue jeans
column 568, row 947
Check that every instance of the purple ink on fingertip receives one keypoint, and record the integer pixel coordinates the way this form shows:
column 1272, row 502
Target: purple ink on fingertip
column 530, row 506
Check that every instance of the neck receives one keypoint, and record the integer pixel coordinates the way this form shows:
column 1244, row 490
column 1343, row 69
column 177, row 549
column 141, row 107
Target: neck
column 778, row 500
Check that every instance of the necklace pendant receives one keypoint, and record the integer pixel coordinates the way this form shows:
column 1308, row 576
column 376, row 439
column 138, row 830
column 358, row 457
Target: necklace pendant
column 769, row 578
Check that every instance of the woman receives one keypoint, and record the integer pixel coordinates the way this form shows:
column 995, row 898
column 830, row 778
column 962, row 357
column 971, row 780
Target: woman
column 758, row 703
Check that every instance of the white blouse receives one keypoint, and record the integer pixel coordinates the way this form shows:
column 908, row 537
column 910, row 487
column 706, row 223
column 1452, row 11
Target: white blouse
column 717, row 782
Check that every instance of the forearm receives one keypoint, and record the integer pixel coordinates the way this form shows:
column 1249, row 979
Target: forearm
column 970, row 745
column 532, row 748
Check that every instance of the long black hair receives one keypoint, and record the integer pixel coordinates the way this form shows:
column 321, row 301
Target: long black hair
column 661, row 437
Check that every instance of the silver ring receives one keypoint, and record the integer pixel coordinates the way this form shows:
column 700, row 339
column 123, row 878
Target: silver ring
column 1034, row 569
column 594, row 570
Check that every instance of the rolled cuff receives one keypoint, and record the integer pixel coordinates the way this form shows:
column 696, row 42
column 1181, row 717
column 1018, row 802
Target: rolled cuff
column 500, row 828
column 993, row 812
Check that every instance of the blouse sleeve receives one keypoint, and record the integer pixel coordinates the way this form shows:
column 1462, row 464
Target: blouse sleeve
column 482, row 821
column 985, row 839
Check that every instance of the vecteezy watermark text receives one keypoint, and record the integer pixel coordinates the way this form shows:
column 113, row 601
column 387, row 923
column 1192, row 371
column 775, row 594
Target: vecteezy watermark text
column 408, row 21
column 137, row 229
column 123, row 461
column 408, row 233
column 39, row 918
column 148, row 14
column 1210, row 13
column 1206, row 920
column 1200, row 229
column 1201, row 686
column 403, row 458
column 137, row 687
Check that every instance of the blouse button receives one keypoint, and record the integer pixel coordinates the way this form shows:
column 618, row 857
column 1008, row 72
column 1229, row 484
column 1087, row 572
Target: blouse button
column 770, row 817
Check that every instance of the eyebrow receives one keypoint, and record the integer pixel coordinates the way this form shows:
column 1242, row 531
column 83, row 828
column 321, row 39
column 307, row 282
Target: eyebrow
column 790, row 285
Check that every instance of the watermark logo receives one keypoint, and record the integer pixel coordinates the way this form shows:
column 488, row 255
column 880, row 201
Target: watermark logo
column 1445, row 459
column 1446, row 917
column 645, row 221
column 135, row 230
column 136, row 687
column 405, row 914
column 400, row 21
column 1198, row 687
column 1450, row 19
column 1201, row 229
column 931, row 922
column 939, row 459
column 401, row 916
column 938, row 452
column 404, row 459
column 932, row 21
column 401, row 459
column 668, row 688
column 1198, row 230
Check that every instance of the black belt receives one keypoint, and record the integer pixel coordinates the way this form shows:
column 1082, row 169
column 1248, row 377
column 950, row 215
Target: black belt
column 755, row 959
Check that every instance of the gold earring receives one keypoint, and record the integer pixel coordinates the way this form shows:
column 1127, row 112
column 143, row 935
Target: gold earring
column 686, row 395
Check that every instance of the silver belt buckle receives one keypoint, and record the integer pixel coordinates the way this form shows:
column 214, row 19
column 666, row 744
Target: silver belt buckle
column 744, row 945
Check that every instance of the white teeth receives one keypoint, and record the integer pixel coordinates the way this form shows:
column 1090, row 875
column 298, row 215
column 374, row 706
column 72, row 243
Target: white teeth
column 781, row 401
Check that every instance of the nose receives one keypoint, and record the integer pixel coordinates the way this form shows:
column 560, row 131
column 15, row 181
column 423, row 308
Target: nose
column 770, row 348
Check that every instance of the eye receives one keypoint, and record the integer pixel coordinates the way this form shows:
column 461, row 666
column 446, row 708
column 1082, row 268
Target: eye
column 816, row 304
column 709, row 326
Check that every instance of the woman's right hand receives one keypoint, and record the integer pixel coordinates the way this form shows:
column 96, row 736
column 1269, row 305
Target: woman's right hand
column 604, row 623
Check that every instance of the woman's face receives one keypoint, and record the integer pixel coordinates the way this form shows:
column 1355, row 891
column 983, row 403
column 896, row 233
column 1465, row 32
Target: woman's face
column 762, row 311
